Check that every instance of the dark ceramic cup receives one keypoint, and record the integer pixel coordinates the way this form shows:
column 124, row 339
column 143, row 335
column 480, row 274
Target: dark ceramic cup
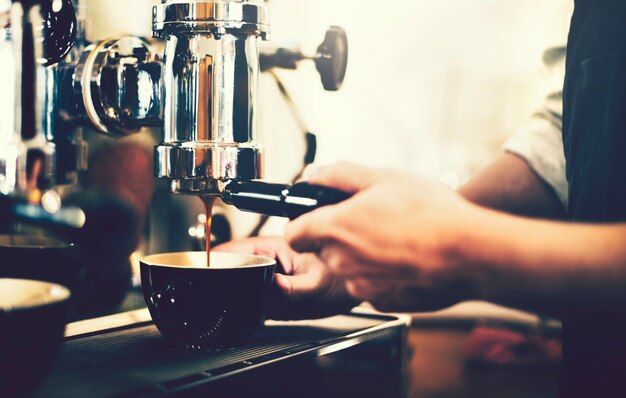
column 97, row 283
column 42, row 258
column 32, row 321
column 206, row 308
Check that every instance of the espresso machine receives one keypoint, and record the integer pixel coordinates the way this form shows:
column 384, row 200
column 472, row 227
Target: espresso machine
column 203, row 92
column 197, row 81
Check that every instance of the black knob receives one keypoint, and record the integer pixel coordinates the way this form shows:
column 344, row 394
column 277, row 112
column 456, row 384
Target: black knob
column 332, row 58
column 59, row 30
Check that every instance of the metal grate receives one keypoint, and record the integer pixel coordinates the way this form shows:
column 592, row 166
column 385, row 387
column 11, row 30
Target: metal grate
column 138, row 359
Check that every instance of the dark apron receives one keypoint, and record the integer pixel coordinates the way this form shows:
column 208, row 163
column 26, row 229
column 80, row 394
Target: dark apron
column 594, row 135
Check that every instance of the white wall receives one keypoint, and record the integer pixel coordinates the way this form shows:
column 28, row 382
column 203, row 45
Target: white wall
column 432, row 84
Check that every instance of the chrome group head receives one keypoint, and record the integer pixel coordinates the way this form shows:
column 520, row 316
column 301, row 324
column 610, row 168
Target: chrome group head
column 210, row 84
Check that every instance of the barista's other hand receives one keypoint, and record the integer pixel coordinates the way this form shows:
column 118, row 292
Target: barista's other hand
column 305, row 288
column 393, row 241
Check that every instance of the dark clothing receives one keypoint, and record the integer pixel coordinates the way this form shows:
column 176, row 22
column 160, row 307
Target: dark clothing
column 594, row 125
column 594, row 135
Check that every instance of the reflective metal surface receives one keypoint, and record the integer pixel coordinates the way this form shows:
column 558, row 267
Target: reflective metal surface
column 211, row 89
column 62, row 119
column 40, row 143
column 246, row 16
column 63, row 123
column 120, row 82
column 11, row 169
column 29, row 76
column 203, row 93
column 59, row 30
column 204, row 169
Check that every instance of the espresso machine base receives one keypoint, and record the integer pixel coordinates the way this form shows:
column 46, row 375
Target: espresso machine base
column 124, row 355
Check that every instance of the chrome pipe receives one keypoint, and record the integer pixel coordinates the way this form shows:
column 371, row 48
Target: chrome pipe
column 12, row 168
column 36, row 155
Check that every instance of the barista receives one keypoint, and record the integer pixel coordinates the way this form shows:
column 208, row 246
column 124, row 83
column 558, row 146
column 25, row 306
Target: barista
column 407, row 244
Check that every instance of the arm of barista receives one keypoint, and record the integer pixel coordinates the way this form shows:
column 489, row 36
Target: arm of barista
column 511, row 185
column 545, row 266
column 529, row 178
column 433, row 248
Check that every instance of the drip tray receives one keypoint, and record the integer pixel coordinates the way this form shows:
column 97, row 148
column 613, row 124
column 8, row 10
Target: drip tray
column 135, row 360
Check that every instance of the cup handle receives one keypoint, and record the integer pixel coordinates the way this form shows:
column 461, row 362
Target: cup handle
column 174, row 304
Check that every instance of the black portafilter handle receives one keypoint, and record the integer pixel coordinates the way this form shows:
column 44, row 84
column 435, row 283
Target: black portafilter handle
column 280, row 200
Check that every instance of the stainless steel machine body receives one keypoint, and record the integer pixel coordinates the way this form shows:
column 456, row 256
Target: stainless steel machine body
column 211, row 93
column 202, row 91
column 40, row 143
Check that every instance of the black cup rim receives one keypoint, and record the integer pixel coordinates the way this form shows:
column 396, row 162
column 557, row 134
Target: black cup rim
column 165, row 260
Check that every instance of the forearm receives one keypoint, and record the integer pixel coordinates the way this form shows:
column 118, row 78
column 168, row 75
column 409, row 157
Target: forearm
column 509, row 184
column 544, row 266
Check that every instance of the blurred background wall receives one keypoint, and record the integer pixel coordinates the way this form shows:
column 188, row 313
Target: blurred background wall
column 433, row 86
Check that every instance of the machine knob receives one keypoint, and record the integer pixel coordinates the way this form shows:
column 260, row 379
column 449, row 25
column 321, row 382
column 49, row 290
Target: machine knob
column 332, row 58
column 59, row 29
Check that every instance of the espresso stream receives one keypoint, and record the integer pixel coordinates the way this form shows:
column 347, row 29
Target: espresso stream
column 208, row 206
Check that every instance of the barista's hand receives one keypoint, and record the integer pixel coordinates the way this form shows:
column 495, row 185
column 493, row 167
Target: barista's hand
column 305, row 288
column 393, row 241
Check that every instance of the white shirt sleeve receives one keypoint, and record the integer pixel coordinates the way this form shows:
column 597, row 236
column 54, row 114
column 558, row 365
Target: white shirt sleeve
column 540, row 142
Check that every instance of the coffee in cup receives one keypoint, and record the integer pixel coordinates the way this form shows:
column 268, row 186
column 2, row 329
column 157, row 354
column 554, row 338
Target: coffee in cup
column 198, row 307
